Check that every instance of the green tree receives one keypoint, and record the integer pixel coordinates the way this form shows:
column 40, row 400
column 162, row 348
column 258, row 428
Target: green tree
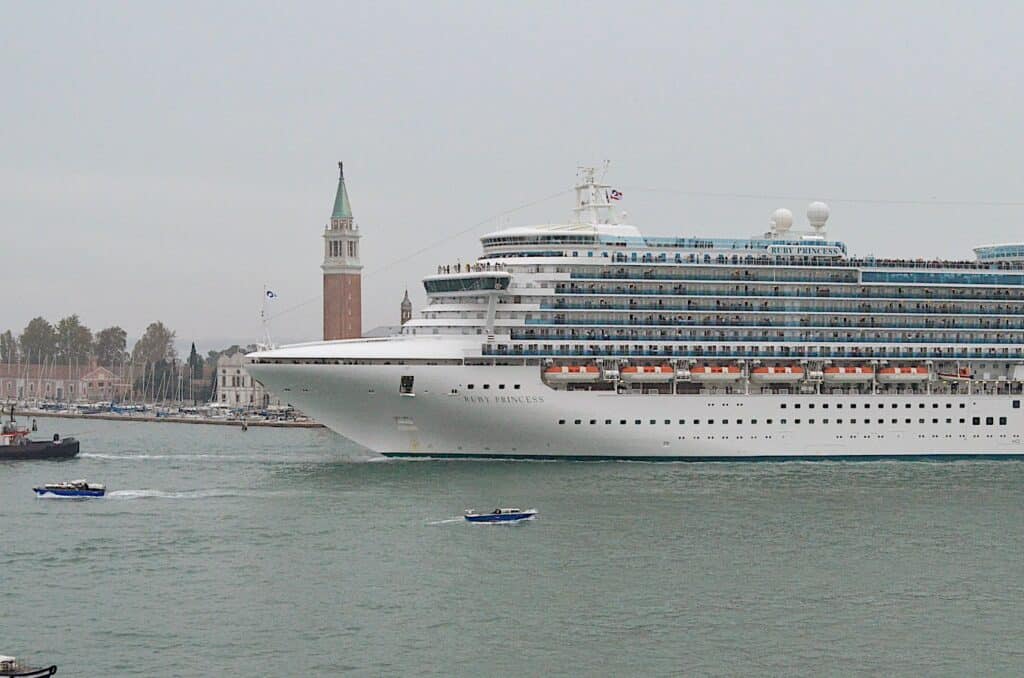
column 155, row 346
column 195, row 363
column 110, row 346
column 74, row 341
column 8, row 348
column 38, row 341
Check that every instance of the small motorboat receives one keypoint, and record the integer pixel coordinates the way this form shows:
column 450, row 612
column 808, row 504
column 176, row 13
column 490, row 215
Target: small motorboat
column 501, row 515
column 70, row 489
column 12, row 668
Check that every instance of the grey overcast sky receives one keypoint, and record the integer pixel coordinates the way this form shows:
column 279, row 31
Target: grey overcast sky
column 165, row 160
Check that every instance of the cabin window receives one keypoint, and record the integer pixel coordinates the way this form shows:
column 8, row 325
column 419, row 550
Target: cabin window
column 607, row 421
column 622, row 422
column 469, row 386
column 405, row 385
column 637, row 422
column 561, row 421
column 962, row 406
column 1002, row 421
column 501, row 386
column 577, row 421
column 975, row 421
column 516, row 387
column 988, row 421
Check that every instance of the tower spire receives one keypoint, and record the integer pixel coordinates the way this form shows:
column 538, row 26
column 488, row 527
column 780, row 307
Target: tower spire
column 342, row 206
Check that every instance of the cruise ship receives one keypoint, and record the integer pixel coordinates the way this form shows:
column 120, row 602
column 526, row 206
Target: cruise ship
column 590, row 340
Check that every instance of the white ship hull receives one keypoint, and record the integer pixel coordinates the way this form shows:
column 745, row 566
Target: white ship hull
column 445, row 418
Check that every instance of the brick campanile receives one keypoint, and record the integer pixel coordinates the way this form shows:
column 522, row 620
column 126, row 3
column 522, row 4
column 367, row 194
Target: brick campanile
column 343, row 291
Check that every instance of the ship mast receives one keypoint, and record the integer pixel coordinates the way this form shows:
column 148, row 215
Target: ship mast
column 593, row 199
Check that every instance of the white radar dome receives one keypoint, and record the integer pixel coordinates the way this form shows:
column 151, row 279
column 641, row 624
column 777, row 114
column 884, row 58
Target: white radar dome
column 817, row 214
column 782, row 219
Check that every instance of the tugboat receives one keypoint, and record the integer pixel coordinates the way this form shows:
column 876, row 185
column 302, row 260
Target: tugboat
column 501, row 515
column 12, row 668
column 16, row 445
column 70, row 489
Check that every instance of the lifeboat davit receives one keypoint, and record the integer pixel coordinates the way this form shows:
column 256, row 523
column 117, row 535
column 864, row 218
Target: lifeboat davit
column 563, row 374
column 778, row 374
column 903, row 374
column 715, row 373
column 647, row 373
column 848, row 375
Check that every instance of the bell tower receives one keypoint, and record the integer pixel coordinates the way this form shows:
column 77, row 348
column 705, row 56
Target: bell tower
column 343, row 305
column 406, row 311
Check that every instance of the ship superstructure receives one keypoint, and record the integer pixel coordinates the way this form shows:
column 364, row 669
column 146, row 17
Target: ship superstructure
column 589, row 339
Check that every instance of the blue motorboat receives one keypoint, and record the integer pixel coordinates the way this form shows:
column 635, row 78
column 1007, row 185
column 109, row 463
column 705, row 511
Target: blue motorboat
column 74, row 489
column 501, row 515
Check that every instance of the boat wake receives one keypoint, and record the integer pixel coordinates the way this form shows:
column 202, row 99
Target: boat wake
column 446, row 521
column 160, row 494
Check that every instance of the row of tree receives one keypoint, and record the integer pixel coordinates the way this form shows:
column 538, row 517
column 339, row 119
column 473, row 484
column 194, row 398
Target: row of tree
column 69, row 342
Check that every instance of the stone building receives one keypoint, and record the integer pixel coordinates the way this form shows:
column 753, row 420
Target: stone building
column 237, row 388
column 342, row 271
column 61, row 383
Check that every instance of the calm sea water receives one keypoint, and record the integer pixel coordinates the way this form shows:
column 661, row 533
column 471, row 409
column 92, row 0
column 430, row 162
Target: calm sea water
column 280, row 552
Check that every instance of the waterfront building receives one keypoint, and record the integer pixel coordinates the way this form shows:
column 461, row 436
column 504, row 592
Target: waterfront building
column 61, row 383
column 590, row 339
column 342, row 270
column 236, row 387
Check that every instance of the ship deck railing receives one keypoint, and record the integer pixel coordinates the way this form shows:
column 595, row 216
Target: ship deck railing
column 808, row 324
column 1019, row 341
column 676, row 352
column 866, row 293
column 784, row 308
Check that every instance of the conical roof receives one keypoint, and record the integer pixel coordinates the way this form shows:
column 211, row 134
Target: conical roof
column 342, row 206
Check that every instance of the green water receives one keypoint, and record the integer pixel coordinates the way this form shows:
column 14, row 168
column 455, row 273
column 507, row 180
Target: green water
column 272, row 552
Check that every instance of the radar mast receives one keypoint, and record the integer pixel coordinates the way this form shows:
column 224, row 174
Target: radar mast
column 593, row 198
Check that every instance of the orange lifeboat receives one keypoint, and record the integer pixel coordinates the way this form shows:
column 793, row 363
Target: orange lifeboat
column 564, row 374
column 646, row 374
column 777, row 374
column 903, row 374
column 848, row 375
column 715, row 373
column 963, row 374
